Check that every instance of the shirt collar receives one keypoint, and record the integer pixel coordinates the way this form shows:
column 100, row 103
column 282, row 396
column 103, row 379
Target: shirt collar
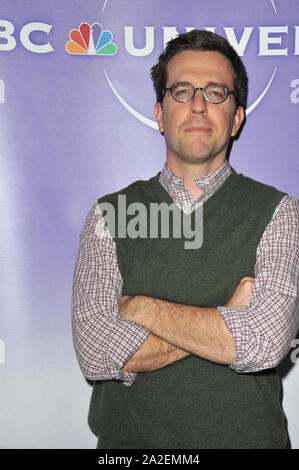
column 208, row 183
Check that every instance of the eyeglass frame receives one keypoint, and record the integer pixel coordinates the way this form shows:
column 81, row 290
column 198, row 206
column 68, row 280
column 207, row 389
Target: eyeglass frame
column 195, row 89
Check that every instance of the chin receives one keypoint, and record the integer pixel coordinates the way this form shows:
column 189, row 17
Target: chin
column 197, row 158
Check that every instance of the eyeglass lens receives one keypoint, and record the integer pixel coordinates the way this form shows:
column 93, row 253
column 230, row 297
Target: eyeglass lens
column 215, row 93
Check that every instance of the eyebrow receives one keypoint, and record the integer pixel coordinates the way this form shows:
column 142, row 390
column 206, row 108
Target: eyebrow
column 210, row 82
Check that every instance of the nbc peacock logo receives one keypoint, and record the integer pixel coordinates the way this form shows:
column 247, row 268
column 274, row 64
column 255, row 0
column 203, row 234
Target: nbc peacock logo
column 91, row 40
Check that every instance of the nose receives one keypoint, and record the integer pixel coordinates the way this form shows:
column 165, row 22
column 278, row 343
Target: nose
column 198, row 102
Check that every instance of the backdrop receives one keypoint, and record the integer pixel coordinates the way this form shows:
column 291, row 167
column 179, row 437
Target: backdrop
column 76, row 122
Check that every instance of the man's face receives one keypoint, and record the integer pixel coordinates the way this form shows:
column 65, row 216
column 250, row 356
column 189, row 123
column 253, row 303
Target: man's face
column 198, row 131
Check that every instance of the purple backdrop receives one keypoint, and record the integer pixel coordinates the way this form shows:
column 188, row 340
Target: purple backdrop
column 76, row 126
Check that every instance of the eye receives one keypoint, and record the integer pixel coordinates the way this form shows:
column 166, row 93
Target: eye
column 180, row 91
column 216, row 93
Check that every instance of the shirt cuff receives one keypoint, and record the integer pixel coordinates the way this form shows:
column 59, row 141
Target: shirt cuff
column 130, row 334
column 251, row 347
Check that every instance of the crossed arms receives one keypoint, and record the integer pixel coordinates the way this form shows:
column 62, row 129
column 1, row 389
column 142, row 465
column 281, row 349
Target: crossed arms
column 114, row 338
column 179, row 330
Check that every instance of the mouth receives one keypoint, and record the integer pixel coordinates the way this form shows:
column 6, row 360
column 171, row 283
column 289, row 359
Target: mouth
column 198, row 130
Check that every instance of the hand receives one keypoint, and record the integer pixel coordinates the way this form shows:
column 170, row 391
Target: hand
column 124, row 306
column 242, row 295
column 139, row 309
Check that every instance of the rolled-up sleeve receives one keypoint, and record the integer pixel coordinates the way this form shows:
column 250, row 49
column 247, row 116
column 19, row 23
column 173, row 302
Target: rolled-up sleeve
column 103, row 341
column 264, row 330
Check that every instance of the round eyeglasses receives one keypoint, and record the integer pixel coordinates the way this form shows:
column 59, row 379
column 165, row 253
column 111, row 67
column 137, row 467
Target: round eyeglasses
column 184, row 91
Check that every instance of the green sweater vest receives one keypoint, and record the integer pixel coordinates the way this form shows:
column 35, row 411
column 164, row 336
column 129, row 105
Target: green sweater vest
column 193, row 403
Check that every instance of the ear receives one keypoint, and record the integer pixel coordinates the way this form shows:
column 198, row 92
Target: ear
column 159, row 116
column 238, row 119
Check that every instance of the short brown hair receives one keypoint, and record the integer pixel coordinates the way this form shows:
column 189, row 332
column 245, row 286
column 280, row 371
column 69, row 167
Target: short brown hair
column 201, row 40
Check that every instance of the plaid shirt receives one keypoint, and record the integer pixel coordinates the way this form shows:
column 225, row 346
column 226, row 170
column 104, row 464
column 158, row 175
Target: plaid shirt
column 262, row 331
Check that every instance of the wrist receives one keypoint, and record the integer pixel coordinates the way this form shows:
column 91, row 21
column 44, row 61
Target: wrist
column 145, row 309
column 138, row 309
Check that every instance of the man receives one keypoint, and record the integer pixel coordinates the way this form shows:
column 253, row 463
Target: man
column 186, row 358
